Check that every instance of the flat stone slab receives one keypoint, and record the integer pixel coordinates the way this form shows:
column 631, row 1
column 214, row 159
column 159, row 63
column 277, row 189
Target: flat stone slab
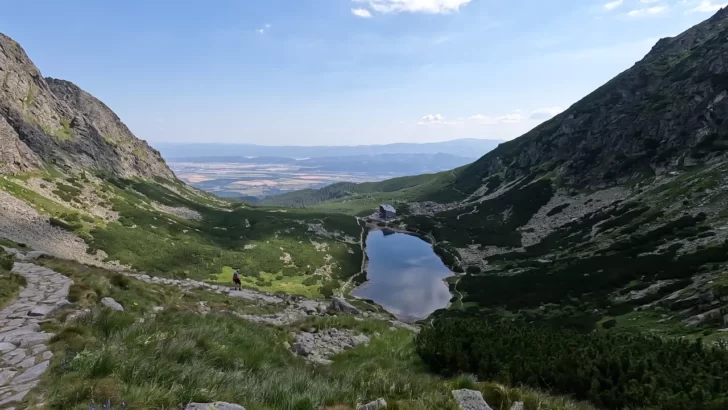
column 470, row 400
column 375, row 405
column 32, row 339
column 33, row 373
column 6, row 347
column 41, row 310
column 214, row 406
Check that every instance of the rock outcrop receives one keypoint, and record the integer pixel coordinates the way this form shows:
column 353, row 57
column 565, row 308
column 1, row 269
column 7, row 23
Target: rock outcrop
column 470, row 400
column 44, row 120
column 318, row 346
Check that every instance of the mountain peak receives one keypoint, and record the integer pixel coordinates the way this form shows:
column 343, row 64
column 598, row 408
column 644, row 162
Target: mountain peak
column 45, row 120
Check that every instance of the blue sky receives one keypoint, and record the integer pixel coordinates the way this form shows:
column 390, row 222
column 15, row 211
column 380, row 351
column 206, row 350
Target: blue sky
column 306, row 72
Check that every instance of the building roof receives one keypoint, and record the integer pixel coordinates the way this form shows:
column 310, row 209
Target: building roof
column 387, row 208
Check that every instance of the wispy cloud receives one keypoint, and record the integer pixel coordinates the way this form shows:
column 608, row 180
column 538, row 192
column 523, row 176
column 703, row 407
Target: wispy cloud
column 707, row 6
column 613, row 4
column 264, row 29
column 412, row 6
column 647, row 11
column 517, row 116
column 363, row 13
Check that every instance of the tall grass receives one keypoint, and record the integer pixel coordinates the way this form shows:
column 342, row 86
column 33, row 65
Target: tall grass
column 180, row 357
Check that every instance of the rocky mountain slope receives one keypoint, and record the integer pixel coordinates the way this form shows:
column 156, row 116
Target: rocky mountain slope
column 612, row 213
column 48, row 121
column 665, row 113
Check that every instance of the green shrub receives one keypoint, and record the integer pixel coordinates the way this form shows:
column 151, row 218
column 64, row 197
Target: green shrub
column 6, row 262
column 310, row 281
column 120, row 281
column 609, row 324
column 63, row 225
column 610, row 369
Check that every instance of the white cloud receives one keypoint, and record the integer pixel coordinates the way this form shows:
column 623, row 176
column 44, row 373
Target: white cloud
column 515, row 117
column 707, row 6
column 545, row 113
column 510, row 118
column 432, row 119
column 647, row 11
column 264, row 29
column 415, row 6
column 363, row 13
column 648, row 1
column 613, row 4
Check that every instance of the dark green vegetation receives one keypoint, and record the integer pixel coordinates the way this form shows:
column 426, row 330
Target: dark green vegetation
column 612, row 370
column 491, row 222
column 9, row 283
column 164, row 244
column 568, row 270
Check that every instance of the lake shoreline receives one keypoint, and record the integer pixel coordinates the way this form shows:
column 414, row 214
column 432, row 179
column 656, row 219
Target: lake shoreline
column 371, row 228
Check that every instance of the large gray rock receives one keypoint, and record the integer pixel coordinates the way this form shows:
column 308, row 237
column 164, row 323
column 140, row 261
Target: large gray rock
column 214, row 406
column 517, row 405
column 470, row 400
column 304, row 344
column 377, row 404
column 112, row 304
column 342, row 305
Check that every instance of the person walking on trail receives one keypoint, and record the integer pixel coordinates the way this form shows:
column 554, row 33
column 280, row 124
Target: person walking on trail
column 236, row 280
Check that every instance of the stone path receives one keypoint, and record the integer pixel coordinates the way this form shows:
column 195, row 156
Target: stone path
column 24, row 354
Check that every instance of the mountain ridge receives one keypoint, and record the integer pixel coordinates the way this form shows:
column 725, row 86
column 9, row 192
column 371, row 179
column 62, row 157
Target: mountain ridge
column 467, row 147
column 54, row 122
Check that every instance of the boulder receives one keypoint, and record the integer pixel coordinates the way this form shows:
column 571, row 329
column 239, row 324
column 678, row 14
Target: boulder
column 112, row 304
column 360, row 339
column 304, row 344
column 213, row 406
column 517, row 406
column 470, row 399
column 342, row 305
column 377, row 404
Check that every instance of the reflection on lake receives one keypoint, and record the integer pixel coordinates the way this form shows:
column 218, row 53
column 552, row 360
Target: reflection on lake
column 405, row 276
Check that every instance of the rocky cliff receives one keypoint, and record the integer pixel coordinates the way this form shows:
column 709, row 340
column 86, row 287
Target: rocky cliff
column 48, row 121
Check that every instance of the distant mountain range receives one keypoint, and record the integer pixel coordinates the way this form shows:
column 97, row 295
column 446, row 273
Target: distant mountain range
column 469, row 148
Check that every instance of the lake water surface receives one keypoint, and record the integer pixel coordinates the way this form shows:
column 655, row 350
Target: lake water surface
column 405, row 276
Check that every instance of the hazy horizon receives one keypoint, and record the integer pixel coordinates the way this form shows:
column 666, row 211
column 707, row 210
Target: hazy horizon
column 327, row 72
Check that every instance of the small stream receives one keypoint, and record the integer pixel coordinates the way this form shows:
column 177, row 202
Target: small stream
column 405, row 276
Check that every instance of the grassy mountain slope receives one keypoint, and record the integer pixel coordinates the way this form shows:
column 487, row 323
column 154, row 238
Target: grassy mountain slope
column 352, row 198
column 613, row 212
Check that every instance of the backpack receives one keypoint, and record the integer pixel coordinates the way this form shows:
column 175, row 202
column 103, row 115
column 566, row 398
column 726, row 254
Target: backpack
column 235, row 275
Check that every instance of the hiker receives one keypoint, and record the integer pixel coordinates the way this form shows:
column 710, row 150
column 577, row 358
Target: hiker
column 236, row 280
